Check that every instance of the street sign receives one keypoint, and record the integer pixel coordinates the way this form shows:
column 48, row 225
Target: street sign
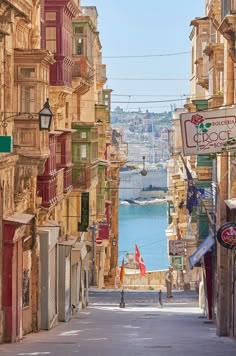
column 208, row 131
column 177, row 262
column 99, row 240
column 176, row 248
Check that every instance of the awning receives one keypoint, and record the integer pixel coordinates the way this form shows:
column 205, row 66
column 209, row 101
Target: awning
column 19, row 218
column 201, row 250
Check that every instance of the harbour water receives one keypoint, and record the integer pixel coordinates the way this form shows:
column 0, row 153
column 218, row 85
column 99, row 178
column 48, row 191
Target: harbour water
column 145, row 226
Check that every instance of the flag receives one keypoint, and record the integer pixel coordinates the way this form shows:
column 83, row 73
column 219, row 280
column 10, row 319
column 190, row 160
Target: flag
column 191, row 192
column 139, row 259
column 122, row 272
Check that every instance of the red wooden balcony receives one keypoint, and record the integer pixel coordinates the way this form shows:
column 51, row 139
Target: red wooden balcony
column 47, row 190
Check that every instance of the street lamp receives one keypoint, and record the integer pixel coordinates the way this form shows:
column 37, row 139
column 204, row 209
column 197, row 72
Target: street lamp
column 143, row 171
column 45, row 117
column 114, row 241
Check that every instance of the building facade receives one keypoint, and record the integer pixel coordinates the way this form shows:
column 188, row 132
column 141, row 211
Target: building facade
column 211, row 166
column 57, row 222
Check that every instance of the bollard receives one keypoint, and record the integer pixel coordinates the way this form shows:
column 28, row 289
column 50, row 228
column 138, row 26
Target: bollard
column 160, row 298
column 122, row 302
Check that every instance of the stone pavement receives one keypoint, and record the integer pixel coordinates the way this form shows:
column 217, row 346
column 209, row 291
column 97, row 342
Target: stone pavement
column 142, row 328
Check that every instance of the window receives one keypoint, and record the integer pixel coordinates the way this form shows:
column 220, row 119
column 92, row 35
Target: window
column 210, row 90
column 84, row 134
column 27, row 72
column 26, row 289
column 79, row 29
column 67, row 109
column 83, row 152
column 27, row 99
column 51, row 39
column 58, row 153
column 79, row 49
column 51, row 16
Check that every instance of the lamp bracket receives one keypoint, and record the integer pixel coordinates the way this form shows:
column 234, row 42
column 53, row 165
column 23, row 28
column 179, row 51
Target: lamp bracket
column 4, row 118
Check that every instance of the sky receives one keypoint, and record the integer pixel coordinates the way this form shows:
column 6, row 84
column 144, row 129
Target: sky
column 146, row 49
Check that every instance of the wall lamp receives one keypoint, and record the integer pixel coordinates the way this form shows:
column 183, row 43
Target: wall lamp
column 45, row 117
column 114, row 241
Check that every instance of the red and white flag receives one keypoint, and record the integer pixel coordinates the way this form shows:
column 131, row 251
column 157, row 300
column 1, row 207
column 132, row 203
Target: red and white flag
column 139, row 259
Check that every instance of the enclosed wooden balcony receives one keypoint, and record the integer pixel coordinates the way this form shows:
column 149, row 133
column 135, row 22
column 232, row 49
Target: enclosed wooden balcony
column 51, row 188
column 101, row 75
column 82, row 68
column 84, row 176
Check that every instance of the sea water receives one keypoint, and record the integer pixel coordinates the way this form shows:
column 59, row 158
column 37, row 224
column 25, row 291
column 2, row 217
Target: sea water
column 144, row 225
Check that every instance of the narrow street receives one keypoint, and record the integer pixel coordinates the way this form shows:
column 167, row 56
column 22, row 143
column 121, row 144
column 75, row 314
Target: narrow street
column 143, row 327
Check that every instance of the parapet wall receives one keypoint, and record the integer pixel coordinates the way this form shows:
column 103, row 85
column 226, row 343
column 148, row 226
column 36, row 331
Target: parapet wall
column 151, row 280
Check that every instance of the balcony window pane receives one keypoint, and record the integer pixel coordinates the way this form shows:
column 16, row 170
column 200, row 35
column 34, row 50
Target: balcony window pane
column 210, row 83
column 79, row 46
column 79, row 29
column 51, row 39
column 27, row 72
column 83, row 152
column 58, row 153
column 51, row 16
column 27, row 103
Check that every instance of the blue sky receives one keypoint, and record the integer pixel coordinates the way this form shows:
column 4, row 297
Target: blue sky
column 152, row 33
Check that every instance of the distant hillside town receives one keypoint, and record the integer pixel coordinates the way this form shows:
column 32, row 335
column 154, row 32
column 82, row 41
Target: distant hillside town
column 147, row 136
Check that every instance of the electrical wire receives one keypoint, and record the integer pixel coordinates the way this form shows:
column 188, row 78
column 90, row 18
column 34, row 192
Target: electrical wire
column 152, row 79
column 149, row 55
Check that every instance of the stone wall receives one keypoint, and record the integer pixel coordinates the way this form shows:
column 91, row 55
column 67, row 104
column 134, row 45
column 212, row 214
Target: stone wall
column 154, row 280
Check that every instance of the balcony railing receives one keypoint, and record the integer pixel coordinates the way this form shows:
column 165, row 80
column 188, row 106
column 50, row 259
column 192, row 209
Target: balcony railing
column 47, row 190
column 67, row 179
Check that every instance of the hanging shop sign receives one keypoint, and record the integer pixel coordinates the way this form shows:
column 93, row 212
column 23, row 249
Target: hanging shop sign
column 226, row 235
column 177, row 263
column 176, row 248
column 5, row 143
column 83, row 225
column 208, row 131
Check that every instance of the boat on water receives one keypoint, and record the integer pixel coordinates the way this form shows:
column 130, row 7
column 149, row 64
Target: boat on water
column 135, row 187
column 142, row 202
